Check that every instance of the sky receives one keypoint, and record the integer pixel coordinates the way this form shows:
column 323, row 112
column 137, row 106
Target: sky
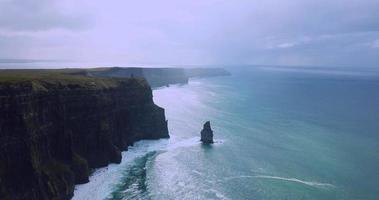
column 193, row 32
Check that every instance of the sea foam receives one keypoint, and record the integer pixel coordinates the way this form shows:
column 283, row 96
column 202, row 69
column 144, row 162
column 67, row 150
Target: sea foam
column 103, row 180
column 309, row 183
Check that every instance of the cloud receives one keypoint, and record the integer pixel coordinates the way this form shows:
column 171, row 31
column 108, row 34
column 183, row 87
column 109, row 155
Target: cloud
column 286, row 45
column 40, row 15
column 322, row 32
column 375, row 44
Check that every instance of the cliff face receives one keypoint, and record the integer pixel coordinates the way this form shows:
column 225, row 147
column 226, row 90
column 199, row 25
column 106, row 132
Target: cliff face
column 158, row 77
column 52, row 132
column 206, row 72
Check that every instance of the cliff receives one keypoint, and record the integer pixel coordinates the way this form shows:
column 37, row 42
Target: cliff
column 205, row 72
column 54, row 127
column 158, row 77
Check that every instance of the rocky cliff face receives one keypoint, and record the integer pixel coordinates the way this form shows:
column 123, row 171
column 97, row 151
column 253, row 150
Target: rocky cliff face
column 207, row 133
column 158, row 77
column 52, row 132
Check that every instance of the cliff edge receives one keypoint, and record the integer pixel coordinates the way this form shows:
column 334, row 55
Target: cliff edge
column 54, row 128
column 158, row 77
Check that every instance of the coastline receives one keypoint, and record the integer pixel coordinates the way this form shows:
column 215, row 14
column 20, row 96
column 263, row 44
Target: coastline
column 90, row 110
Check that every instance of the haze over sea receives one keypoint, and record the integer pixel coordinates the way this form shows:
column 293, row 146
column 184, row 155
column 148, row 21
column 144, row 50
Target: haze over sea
column 281, row 133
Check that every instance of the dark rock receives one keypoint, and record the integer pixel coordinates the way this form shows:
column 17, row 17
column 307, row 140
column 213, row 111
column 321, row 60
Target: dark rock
column 207, row 133
column 53, row 132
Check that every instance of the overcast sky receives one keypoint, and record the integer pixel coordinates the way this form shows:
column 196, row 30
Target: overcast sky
column 284, row 32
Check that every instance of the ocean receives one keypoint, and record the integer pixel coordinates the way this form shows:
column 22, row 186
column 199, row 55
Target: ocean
column 281, row 133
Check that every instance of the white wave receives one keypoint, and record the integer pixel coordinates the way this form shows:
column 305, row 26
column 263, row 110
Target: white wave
column 197, row 172
column 218, row 194
column 309, row 183
column 103, row 180
column 183, row 143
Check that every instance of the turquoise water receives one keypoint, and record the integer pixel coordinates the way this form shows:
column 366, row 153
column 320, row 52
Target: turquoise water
column 280, row 134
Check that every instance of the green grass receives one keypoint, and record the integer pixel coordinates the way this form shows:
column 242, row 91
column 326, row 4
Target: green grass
column 39, row 78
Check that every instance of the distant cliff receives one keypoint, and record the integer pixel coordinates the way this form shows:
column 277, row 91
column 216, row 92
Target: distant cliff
column 54, row 128
column 158, row 77
column 205, row 72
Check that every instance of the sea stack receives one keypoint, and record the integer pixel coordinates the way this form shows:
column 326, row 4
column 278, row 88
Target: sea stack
column 207, row 133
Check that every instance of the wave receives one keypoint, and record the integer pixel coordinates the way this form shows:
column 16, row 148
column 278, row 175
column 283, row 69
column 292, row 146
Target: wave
column 106, row 182
column 190, row 142
column 102, row 181
column 133, row 184
column 308, row 183
column 218, row 194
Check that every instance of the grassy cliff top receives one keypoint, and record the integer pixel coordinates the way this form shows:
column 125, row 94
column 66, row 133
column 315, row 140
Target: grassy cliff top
column 64, row 77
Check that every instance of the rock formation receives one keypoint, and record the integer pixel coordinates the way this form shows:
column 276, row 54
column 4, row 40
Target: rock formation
column 207, row 133
column 54, row 129
column 158, row 77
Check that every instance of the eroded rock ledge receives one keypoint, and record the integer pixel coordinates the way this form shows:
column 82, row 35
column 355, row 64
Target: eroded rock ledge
column 54, row 129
